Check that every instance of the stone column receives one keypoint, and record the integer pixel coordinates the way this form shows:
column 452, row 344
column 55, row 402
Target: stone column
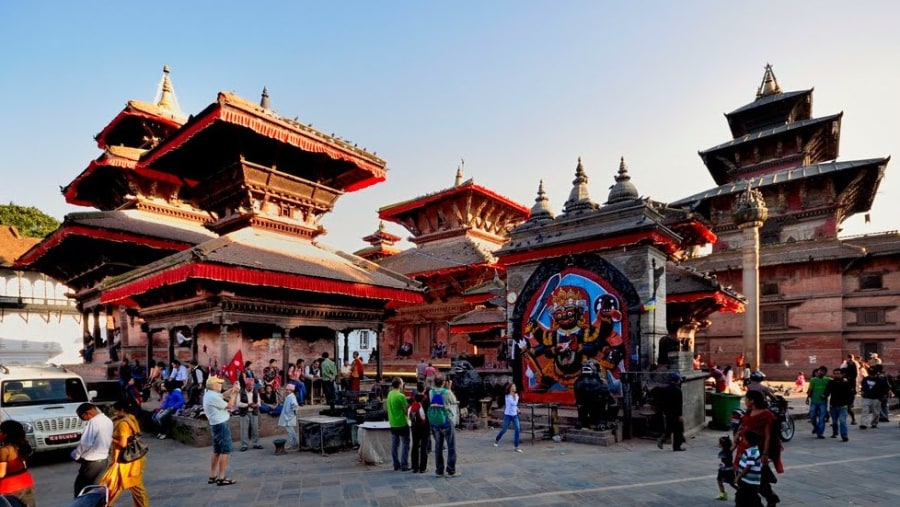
column 750, row 213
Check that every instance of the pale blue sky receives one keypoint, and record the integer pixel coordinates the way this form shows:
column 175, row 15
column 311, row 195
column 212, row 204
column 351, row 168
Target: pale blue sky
column 520, row 89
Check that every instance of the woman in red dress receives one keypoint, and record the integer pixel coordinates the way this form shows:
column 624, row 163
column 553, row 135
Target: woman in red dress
column 759, row 419
column 15, row 479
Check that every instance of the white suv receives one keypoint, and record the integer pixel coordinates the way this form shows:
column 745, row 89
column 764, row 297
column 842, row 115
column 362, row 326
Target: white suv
column 44, row 398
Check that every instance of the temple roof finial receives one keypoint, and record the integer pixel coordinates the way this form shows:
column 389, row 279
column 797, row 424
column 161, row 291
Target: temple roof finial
column 459, row 176
column 166, row 94
column 769, row 85
column 541, row 209
column 264, row 100
column 623, row 189
column 579, row 197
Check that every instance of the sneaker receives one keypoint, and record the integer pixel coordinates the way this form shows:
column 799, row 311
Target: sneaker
column 844, row 439
column 257, row 447
column 722, row 496
column 244, row 448
column 820, row 436
column 162, row 436
column 496, row 444
column 453, row 474
column 519, row 449
column 834, row 435
column 438, row 474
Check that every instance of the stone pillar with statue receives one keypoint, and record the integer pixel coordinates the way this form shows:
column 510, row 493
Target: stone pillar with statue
column 750, row 213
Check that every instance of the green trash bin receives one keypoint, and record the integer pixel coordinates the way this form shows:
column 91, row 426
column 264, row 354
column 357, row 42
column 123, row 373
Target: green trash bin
column 723, row 404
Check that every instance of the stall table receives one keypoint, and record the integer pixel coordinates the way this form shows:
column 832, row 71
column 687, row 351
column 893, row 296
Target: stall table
column 374, row 442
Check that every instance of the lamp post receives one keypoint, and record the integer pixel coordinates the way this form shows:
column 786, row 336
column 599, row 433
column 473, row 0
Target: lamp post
column 750, row 213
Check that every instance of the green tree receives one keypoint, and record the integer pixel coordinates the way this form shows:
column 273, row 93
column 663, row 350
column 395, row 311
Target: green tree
column 29, row 220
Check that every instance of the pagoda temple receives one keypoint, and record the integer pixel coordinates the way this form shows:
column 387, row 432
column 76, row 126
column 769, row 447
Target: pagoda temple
column 821, row 296
column 208, row 230
column 455, row 232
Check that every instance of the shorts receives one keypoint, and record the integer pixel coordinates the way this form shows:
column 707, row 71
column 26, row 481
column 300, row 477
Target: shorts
column 726, row 475
column 221, row 438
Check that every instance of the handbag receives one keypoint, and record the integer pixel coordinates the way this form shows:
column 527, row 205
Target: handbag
column 134, row 450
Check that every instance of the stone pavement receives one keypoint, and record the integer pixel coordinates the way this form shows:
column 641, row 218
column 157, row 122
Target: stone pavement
column 826, row 472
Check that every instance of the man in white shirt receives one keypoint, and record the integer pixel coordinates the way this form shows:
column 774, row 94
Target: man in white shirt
column 178, row 375
column 92, row 452
column 217, row 413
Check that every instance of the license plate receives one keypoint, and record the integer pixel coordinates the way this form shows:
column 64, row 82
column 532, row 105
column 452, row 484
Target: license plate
column 63, row 438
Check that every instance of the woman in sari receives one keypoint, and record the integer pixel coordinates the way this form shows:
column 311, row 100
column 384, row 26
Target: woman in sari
column 759, row 419
column 121, row 476
column 15, row 479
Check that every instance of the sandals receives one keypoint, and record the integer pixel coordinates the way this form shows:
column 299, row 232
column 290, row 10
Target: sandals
column 225, row 482
column 212, row 480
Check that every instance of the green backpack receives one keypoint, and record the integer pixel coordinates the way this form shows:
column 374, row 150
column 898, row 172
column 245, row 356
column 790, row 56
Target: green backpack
column 437, row 411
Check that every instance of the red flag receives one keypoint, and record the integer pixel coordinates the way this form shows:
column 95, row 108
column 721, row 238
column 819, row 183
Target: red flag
column 234, row 367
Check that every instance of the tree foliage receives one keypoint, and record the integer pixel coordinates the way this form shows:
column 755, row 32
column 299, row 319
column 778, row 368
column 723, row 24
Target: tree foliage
column 29, row 220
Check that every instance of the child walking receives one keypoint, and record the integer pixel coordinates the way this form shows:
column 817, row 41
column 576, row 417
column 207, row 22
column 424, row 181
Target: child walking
column 510, row 416
column 726, row 467
column 750, row 473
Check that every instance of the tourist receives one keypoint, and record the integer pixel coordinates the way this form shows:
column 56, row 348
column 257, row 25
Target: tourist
column 671, row 403
column 395, row 405
column 268, row 401
column 749, row 474
column 121, row 476
column 329, row 375
column 15, row 479
column 171, row 405
column 815, row 398
column 248, row 409
column 92, row 452
column 441, row 420
column 288, row 417
column 874, row 387
column 418, row 425
column 430, row 374
column 851, row 366
column 839, row 393
column 510, row 417
column 759, row 421
column 217, row 410
column 726, row 467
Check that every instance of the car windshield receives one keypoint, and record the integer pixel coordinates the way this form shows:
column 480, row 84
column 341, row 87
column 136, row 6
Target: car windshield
column 23, row 393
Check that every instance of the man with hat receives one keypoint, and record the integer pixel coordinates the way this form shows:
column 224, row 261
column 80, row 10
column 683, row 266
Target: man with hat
column 217, row 410
column 92, row 452
column 671, row 403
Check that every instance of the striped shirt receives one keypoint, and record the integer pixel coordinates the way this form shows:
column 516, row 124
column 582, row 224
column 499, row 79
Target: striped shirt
column 751, row 460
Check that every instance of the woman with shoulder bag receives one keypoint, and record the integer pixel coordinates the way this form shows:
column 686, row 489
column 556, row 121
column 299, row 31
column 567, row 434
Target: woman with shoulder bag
column 120, row 476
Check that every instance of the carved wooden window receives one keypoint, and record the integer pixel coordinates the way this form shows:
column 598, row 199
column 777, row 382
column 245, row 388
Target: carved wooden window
column 870, row 316
column 870, row 281
column 769, row 289
column 773, row 317
column 364, row 340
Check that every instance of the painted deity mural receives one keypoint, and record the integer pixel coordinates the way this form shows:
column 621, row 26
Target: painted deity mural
column 572, row 324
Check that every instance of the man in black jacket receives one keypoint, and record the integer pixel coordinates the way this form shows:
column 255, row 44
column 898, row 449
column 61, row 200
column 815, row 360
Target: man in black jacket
column 874, row 387
column 839, row 392
column 671, row 403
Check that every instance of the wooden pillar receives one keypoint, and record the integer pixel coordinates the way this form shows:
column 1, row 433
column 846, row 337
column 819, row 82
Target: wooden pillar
column 379, row 362
column 96, row 330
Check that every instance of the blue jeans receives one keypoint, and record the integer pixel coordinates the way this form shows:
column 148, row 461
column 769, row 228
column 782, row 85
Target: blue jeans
column 507, row 420
column 400, row 442
column 817, row 413
column 444, row 434
column 299, row 390
column 839, row 420
column 221, row 438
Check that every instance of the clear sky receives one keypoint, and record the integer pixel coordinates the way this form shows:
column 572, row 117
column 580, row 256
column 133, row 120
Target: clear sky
column 519, row 89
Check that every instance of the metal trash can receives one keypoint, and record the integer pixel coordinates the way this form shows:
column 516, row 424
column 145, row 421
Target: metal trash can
column 723, row 404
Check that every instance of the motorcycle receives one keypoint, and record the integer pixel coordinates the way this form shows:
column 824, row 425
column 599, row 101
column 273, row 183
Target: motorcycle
column 779, row 407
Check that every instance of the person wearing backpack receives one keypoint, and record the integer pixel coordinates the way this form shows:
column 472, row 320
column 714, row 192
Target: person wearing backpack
column 418, row 423
column 763, row 423
column 439, row 418
column 396, row 405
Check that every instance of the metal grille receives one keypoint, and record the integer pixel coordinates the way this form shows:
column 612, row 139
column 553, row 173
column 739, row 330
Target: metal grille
column 58, row 424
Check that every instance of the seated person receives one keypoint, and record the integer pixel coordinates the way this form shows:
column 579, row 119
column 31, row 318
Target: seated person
column 405, row 350
column 14, row 392
column 182, row 340
column 269, row 402
column 163, row 416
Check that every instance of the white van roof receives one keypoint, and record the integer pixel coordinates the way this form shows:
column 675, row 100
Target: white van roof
column 36, row 371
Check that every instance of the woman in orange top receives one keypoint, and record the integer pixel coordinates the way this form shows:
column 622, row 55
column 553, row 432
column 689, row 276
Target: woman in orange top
column 15, row 479
column 121, row 476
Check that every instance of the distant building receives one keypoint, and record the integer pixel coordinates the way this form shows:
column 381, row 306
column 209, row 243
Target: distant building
column 38, row 322
column 821, row 296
